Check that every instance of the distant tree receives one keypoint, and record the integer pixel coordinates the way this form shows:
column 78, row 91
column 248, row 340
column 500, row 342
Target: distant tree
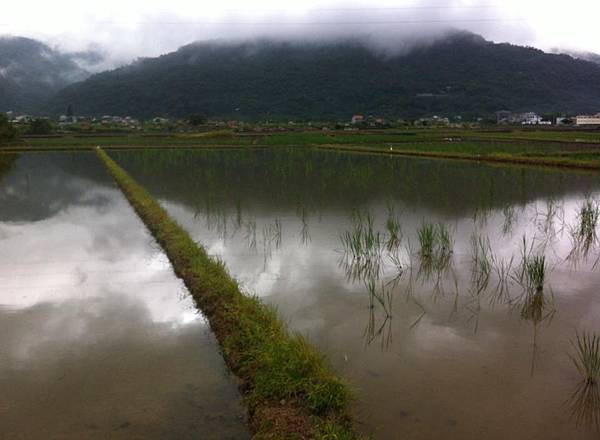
column 69, row 112
column 7, row 131
column 40, row 126
column 196, row 119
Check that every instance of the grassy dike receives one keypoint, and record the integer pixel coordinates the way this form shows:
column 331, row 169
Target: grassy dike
column 557, row 160
column 288, row 387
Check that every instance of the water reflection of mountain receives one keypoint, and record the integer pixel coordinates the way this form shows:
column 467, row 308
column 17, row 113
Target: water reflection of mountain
column 36, row 186
column 280, row 178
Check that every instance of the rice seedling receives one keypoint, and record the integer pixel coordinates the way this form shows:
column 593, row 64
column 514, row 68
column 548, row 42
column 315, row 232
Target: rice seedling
column 445, row 245
column 362, row 249
column 394, row 233
column 584, row 235
column 427, row 239
column 481, row 264
column 587, row 356
column 536, row 272
column 520, row 273
column 363, row 242
column 589, row 213
column 436, row 249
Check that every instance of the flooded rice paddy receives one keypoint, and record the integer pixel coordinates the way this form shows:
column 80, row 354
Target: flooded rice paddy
column 448, row 293
column 98, row 338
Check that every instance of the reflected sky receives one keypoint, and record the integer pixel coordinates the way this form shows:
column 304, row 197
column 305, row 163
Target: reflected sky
column 436, row 351
column 99, row 338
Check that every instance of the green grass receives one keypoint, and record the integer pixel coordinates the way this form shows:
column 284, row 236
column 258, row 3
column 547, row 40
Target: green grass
column 427, row 240
column 554, row 155
column 394, row 231
column 288, row 386
column 481, row 263
column 588, row 216
column 536, row 272
column 526, row 147
column 587, row 356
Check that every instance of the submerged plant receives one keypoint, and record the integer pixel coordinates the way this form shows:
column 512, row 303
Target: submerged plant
column 250, row 235
column 585, row 405
column 587, row 356
column 502, row 268
column 509, row 219
column 383, row 297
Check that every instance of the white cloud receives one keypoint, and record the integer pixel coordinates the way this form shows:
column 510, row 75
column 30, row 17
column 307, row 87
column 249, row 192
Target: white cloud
column 151, row 27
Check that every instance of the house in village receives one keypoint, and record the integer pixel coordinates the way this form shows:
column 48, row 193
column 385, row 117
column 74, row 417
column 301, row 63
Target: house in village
column 588, row 119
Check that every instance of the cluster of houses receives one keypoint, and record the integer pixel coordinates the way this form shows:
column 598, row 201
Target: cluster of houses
column 532, row 118
column 370, row 121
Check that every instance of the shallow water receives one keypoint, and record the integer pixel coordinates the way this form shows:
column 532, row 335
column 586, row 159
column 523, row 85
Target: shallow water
column 98, row 338
column 438, row 349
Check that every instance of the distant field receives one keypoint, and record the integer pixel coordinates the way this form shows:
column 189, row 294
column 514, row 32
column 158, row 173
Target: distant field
column 544, row 147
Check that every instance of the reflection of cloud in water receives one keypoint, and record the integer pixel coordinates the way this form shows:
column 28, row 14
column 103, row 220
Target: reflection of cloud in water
column 82, row 368
column 87, row 251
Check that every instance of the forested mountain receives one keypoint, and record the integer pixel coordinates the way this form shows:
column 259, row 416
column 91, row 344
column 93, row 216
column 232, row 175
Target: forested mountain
column 587, row 56
column 31, row 72
column 462, row 74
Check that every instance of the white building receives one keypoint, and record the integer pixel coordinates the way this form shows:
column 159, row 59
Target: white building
column 588, row 119
column 530, row 118
column 357, row 118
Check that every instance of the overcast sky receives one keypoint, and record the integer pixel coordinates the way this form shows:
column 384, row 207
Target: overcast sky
column 127, row 29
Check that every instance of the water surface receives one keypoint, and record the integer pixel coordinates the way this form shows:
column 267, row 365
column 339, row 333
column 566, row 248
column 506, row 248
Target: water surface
column 437, row 350
column 98, row 338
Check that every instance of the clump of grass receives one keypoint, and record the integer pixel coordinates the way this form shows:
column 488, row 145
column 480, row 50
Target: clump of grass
column 588, row 219
column 481, row 263
column 363, row 243
column 520, row 275
column 395, row 233
column 587, row 356
column 536, row 272
column 445, row 244
column 436, row 248
column 584, row 235
column 289, row 388
column 427, row 239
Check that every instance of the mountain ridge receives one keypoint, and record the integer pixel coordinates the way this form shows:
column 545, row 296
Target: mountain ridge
column 31, row 72
column 462, row 74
